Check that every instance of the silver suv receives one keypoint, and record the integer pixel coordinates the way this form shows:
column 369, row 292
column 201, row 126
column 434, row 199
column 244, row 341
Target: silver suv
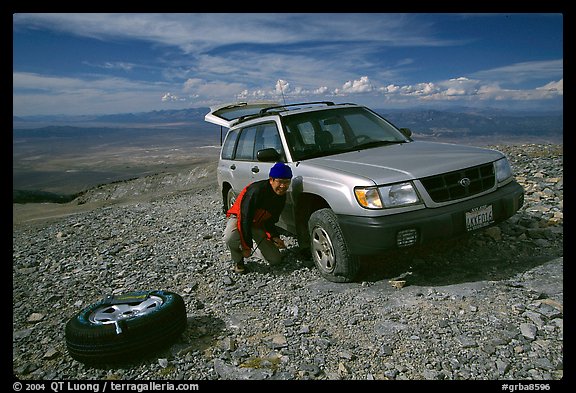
column 361, row 186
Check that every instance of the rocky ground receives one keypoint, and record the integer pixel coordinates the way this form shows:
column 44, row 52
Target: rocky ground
column 487, row 307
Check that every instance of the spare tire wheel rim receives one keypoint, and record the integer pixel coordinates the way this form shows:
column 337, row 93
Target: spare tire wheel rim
column 118, row 312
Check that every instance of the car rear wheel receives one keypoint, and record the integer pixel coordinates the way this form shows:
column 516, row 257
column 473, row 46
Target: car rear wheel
column 230, row 198
column 328, row 248
column 123, row 327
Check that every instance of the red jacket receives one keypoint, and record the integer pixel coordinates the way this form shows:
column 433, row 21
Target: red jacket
column 257, row 205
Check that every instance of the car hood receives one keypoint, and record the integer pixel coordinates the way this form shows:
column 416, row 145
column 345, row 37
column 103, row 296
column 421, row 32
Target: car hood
column 407, row 161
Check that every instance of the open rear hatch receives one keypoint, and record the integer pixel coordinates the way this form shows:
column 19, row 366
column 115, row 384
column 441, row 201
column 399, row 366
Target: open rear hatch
column 229, row 114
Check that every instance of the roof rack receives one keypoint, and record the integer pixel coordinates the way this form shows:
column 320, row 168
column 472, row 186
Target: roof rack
column 284, row 107
column 279, row 108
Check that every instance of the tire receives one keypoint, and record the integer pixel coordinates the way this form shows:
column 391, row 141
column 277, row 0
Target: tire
column 230, row 198
column 123, row 327
column 328, row 248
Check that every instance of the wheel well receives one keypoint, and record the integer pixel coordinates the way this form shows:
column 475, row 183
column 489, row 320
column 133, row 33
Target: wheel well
column 225, row 187
column 307, row 204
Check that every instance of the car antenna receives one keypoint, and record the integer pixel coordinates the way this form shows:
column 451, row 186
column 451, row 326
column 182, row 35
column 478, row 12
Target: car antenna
column 282, row 90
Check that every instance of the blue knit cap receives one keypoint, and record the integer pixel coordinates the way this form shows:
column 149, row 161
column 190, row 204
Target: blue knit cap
column 280, row 171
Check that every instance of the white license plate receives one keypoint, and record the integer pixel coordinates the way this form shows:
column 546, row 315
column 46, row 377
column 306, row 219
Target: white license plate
column 479, row 217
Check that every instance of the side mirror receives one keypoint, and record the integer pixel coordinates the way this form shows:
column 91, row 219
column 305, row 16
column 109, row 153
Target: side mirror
column 268, row 155
column 406, row 131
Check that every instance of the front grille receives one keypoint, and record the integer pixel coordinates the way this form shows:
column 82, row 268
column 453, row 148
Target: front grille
column 449, row 186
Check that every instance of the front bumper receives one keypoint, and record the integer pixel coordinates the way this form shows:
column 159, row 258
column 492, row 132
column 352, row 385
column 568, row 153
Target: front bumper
column 371, row 235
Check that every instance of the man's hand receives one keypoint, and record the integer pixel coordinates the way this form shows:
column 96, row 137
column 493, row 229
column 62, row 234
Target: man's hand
column 278, row 242
column 246, row 252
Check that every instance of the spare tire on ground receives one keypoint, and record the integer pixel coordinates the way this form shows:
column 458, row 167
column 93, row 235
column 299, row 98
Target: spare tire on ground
column 124, row 327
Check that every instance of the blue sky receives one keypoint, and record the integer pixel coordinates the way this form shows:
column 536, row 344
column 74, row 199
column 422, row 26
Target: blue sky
column 84, row 63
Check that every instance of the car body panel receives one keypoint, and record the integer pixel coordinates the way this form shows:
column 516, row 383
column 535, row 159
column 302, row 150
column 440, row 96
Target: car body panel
column 407, row 161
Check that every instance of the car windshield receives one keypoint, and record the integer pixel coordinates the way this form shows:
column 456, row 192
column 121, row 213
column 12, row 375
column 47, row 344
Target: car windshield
column 338, row 130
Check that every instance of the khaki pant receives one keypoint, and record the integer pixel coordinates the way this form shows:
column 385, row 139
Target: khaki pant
column 266, row 249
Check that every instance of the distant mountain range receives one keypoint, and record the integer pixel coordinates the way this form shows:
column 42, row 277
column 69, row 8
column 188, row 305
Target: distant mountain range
column 461, row 122
column 436, row 123
column 156, row 116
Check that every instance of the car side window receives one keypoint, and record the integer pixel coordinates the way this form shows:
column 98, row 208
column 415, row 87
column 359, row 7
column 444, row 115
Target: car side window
column 268, row 137
column 245, row 149
column 229, row 143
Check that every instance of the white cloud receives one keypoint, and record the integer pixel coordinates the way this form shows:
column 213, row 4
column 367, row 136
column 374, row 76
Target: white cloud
column 467, row 89
column 522, row 72
column 42, row 94
column 26, row 80
column 419, row 89
column 193, row 84
column 282, row 86
column 118, row 66
column 169, row 97
column 197, row 33
column 554, row 87
column 548, row 91
column 390, row 89
column 362, row 85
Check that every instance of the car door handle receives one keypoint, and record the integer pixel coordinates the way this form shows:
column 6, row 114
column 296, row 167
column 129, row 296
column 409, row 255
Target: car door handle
column 255, row 169
column 232, row 166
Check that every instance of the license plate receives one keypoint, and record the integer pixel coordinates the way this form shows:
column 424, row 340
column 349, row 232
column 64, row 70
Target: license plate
column 479, row 217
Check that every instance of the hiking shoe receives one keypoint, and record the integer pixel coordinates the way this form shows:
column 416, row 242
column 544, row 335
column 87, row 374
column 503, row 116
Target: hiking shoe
column 240, row 267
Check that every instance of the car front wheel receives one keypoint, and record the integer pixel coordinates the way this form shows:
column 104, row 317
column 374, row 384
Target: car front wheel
column 328, row 248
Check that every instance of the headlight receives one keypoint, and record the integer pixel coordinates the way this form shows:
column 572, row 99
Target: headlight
column 399, row 195
column 503, row 170
column 395, row 195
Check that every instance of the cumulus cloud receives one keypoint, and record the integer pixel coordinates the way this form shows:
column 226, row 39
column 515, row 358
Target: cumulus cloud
column 455, row 89
column 246, row 95
column 282, row 86
column 389, row 89
column 169, row 97
column 419, row 89
column 362, row 85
